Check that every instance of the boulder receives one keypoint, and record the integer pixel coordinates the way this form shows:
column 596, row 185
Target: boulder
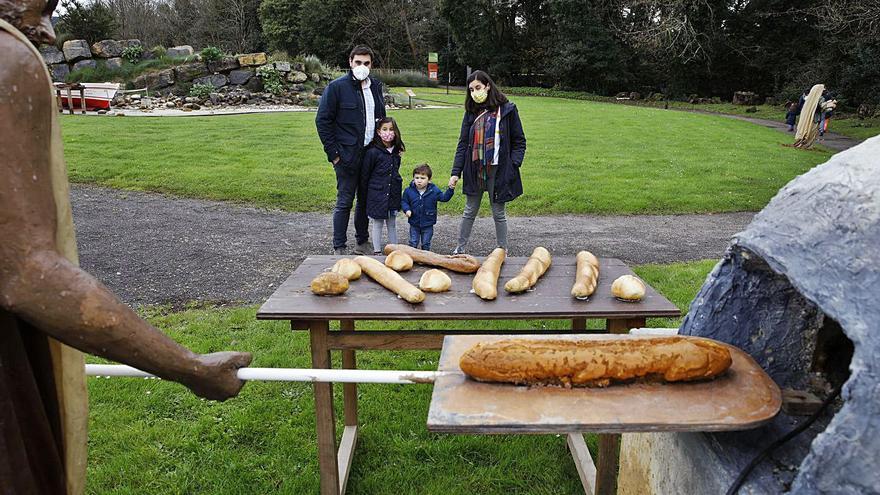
column 251, row 59
column 240, row 77
column 225, row 64
column 216, row 80
column 254, row 84
column 283, row 67
column 315, row 77
column 297, row 88
column 299, row 66
column 752, row 109
column 865, row 111
column 297, row 77
column 107, row 49
column 59, row 72
column 635, row 95
column 130, row 43
column 180, row 51
column 155, row 80
column 188, row 72
column 51, row 55
column 75, row 50
column 113, row 63
column 745, row 98
column 86, row 63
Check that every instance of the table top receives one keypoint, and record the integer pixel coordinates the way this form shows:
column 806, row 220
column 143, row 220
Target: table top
column 742, row 398
column 550, row 298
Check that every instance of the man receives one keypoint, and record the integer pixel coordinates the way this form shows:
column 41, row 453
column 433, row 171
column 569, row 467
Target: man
column 45, row 299
column 346, row 123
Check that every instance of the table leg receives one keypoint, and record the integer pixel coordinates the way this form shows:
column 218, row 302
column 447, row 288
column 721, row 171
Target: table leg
column 82, row 100
column 609, row 444
column 324, row 415
column 350, row 410
column 69, row 100
column 579, row 324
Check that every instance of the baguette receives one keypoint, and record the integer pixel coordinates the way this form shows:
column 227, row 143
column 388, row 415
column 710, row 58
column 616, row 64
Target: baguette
column 537, row 264
column 390, row 279
column 461, row 263
column 399, row 261
column 628, row 288
column 586, row 276
column 329, row 284
column 595, row 363
column 434, row 280
column 486, row 280
column 347, row 268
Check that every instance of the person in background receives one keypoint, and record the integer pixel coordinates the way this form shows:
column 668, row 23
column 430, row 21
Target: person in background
column 791, row 115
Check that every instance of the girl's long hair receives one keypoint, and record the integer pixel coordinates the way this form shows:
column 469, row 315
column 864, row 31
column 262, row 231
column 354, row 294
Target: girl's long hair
column 495, row 98
column 398, row 141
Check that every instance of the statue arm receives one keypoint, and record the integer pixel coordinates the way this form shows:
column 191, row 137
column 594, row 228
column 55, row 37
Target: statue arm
column 42, row 287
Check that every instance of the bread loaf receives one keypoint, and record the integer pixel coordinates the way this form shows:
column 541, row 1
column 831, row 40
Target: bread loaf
column 390, row 279
column 537, row 264
column 434, row 280
column 347, row 268
column 485, row 282
column 461, row 263
column 586, row 276
column 398, row 261
column 329, row 284
column 595, row 363
column 628, row 288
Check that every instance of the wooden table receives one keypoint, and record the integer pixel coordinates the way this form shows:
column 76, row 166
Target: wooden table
column 367, row 300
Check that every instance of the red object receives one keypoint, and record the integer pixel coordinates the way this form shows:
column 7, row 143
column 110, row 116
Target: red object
column 433, row 70
column 97, row 95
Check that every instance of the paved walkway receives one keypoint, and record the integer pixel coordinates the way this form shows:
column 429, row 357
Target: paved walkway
column 834, row 141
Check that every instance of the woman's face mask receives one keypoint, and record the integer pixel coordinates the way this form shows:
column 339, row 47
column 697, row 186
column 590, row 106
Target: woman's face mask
column 480, row 95
column 387, row 136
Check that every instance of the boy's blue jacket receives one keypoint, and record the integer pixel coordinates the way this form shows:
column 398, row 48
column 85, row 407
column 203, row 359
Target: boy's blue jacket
column 424, row 207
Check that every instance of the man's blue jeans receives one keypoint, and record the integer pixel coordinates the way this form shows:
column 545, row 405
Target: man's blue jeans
column 348, row 186
column 421, row 236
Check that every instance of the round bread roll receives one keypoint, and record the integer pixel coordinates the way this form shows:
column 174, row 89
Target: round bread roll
column 329, row 284
column 399, row 261
column 347, row 268
column 628, row 288
column 435, row 280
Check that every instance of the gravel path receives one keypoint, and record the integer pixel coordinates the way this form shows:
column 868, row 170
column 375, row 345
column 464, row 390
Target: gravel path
column 156, row 249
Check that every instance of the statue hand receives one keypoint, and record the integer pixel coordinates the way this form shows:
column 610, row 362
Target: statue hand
column 216, row 379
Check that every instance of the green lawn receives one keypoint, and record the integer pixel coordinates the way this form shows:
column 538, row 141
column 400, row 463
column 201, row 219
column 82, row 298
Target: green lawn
column 583, row 157
column 150, row 436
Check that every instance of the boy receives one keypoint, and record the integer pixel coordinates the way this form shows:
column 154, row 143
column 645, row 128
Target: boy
column 419, row 203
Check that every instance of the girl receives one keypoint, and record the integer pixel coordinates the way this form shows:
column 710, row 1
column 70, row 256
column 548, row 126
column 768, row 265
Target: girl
column 491, row 148
column 380, row 177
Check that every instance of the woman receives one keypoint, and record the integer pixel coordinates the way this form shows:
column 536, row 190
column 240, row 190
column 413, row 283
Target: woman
column 490, row 151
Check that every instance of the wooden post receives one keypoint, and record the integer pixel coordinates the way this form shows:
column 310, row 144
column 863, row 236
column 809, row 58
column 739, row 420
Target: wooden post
column 325, row 418
column 69, row 100
column 579, row 324
column 349, row 390
column 82, row 98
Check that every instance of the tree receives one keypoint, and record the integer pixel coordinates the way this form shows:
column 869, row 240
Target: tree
column 280, row 22
column 91, row 22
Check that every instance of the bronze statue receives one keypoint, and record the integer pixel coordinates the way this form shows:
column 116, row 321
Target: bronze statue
column 46, row 300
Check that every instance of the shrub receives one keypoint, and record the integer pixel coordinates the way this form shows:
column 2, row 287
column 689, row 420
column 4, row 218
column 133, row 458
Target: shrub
column 273, row 82
column 201, row 90
column 279, row 56
column 133, row 53
column 211, row 54
column 92, row 21
column 158, row 51
column 404, row 78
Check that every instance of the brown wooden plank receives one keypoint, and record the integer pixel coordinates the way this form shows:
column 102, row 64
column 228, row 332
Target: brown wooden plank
column 623, row 325
column 579, row 324
column 551, row 298
column 583, row 462
column 414, row 339
column 609, row 458
column 347, row 446
column 349, row 390
column 325, row 418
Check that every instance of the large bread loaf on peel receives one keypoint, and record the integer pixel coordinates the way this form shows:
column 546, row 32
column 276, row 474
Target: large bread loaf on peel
column 595, row 363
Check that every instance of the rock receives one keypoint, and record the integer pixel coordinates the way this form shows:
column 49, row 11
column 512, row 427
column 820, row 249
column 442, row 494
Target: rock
column 180, row 51
column 76, row 50
column 216, row 80
column 299, row 66
column 191, row 99
column 250, row 59
column 85, row 63
column 59, row 72
column 315, row 77
column 102, row 111
column 170, row 104
column 865, row 111
column 107, row 49
column 130, row 43
column 635, row 95
column 155, row 80
column 282, row 66
column 752, row 110
column 319, row 90
column 297, row 88
column 188, row 72
column 195, row 106
column 240, row 77
column 113, row 63
column 135, row 97
column 770, row 101
column 297, row 77
column 215, row 98
column 745, row 98
column 187, row 107
column 254, row 84
column 51, row 55
column 225, row 64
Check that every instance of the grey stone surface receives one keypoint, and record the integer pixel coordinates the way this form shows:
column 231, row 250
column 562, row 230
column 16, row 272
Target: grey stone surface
column 180, row 51
column 85, row 63
column 315, row 77
column 297, row 77
column 113, row 63
column 107, row 49
column 225, row 64
column 132, row 42
column 240, row 77
column 59, row 72
column 188, row 72
column 216, row 80
column 75, row 50
column 282, row 66
column 51, row 54
column 254, row 84
column 155, row 80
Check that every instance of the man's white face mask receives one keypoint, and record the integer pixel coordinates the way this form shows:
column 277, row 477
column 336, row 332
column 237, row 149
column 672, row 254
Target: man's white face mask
column 360, row 72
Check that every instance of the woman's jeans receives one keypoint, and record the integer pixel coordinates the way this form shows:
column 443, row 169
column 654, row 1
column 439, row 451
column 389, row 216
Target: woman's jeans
column 471, row 208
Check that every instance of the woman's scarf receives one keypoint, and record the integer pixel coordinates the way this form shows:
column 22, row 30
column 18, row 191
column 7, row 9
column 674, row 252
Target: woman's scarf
column 485, row 146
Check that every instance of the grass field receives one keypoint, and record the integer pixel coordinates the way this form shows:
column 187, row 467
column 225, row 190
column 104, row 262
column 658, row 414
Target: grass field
column 150, row 436
column 583, row 157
